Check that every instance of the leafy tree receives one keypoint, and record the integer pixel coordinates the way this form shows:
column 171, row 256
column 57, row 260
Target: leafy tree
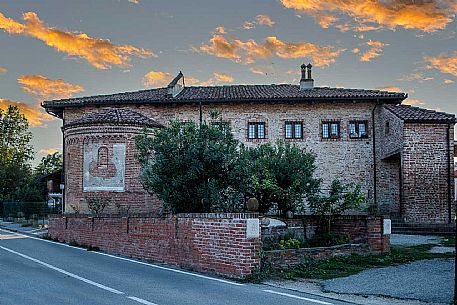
column 49, row 164
column 280, row 174
column 16, row 152
column 341, row 197
column 33, row 189
column 189, row 166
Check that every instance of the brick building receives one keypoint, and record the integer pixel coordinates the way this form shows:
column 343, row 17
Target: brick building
column 401, row 156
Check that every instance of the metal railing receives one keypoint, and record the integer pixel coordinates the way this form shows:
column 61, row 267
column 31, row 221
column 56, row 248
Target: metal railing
column 27, row 212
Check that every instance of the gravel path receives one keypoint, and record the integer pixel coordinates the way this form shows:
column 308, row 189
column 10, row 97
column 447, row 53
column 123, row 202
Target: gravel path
column 428, row 281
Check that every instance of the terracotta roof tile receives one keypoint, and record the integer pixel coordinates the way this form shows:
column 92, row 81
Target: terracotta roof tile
column 415, row 114
column 234, row 93
column 116, row 116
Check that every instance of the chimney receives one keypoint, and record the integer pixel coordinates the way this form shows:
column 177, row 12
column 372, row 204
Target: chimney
column 174, row 87
column 306, row 81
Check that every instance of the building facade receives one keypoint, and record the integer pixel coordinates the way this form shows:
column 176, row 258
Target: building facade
column 401, row 156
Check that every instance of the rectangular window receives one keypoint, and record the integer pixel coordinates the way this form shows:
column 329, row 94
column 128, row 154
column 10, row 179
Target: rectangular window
column 293, row 130
column 358, row 129
column 330, row 130
column 256, row 130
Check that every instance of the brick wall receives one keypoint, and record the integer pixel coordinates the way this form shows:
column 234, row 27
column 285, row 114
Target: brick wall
column 390, row 138
column 361, row 229
column 409, row 152
column 134, row 197
column 214, row 243
column 350, row 160
column 283, row 259
column 426, row 164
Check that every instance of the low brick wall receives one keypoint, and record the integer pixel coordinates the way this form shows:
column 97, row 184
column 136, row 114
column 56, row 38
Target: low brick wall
column 361, row 229
column 215, row 243
column 283, row 259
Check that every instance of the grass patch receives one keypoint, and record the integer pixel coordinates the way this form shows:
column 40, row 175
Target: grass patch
column 348, row 265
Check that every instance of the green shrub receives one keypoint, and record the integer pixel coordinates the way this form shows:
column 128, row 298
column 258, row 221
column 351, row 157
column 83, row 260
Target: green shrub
column 290, row 243
column 328, row 239
column 279, row 176
column 190, row 166
column 341, row 197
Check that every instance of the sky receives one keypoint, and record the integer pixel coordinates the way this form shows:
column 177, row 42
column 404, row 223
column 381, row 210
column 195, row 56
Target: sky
column 53, row 49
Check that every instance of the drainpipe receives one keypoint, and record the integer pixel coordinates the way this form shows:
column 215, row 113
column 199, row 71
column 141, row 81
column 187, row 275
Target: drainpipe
column 374, row 155
column 449, row 189
column 64, row 180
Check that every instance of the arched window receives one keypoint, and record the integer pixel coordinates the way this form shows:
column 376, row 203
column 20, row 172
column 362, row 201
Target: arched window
column 102, row 159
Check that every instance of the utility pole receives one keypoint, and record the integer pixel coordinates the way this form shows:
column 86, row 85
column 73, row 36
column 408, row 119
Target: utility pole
column 455, row 258
column 201, row 113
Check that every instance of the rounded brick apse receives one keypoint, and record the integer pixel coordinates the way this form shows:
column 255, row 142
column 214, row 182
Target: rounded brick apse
column 100, row 162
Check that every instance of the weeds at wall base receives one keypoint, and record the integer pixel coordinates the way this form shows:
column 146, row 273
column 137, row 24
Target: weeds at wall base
column 344, row 266
column 72, row 243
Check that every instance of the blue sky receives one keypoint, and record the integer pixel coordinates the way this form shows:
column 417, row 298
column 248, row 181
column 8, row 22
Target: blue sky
column 62, row 48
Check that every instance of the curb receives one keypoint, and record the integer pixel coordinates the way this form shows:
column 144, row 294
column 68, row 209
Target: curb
column 18, row 231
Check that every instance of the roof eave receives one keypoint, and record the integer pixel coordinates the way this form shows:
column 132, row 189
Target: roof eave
column 53, row 105
column 425, row 121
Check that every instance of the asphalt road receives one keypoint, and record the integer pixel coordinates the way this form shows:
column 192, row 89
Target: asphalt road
column 36, row 271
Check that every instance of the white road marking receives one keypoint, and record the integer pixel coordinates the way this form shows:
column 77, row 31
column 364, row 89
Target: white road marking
column 45, row 240
column 64, row 272
column 115, row 291
column 173, row 270
column 133, row 261
column 297, row 297
column 141, row 300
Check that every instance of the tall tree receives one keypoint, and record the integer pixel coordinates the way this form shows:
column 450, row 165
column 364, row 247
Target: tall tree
column 49, row 164
column 34, row 187
column 280, row 176
column 16, row 152
column 188, row 165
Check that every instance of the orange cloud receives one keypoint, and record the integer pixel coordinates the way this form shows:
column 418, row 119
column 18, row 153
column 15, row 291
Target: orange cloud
column 220, row 47
column 343, row 27
column 448, row 81
column 134, row 1
column 223, row 77
column 389, row 88
column 427, row 16
column 34, row 114
column 366, row 28
column 220, row 30
column 416, row 76
column 48, row 151
column 247, row 25
column 264, row 20
column 157, row 79
column 260, row 19
column 258, row 70
column 3, row 70
column 192, row 81
column 100, row 53
column 249, row 51
column 413, row 102
column 325, row 20
column 218, row 77
column 444, row 63
column 374, row 51
column 46, row 89
column 160, row 79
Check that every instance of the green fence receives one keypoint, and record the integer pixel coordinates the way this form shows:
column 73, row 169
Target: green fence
column 26, row 211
